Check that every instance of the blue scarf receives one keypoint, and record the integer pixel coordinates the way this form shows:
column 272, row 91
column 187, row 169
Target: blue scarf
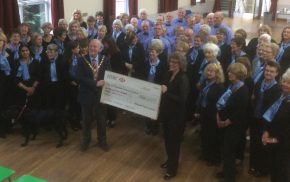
column 222, row 102
column 281, row 51
column 37, row 53
column 235, row 57
column 23, row 70
column 92, row 34
column 152, row 71
column 53, row 74
column 60, row 46
column 14, row 50
column 4, row 64
column 264, row 86
column 272, row 110
column 202, row 98
column 193, row 55
column 73, row 67
column 259, row 72
column 130, row 52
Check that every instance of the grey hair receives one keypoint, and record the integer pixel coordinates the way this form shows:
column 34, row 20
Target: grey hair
column 210, row 14
column 62, row 21
column 52, row 47
column 129, row 27
column 143, row 11
column 286, row 75
column 266, row 36
column 212, row 48
column 119, row 22
column 206, row 28
column 157, row 45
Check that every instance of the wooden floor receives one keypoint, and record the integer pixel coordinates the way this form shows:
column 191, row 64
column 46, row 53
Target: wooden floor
column 133, row 156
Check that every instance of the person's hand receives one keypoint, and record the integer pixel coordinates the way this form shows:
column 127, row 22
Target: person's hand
column 100, row 83
column 196, row 115
column 73, row 83
column 30, row 91
column 220, row 124
column 129, row 66
column 265, row 137
column 163, row 88
column 272, row 140
column 198, row 86
column 227, row 122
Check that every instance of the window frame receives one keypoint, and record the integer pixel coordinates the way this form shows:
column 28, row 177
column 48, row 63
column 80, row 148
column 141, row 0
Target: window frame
column 47, row 6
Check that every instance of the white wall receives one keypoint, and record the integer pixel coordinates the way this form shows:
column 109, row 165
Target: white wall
column 182, row 3
column 150, row 5
column 86, row 6
column 90, row 7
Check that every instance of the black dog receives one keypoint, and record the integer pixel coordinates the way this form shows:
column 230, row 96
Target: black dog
column 34, row 119
column 7, row 120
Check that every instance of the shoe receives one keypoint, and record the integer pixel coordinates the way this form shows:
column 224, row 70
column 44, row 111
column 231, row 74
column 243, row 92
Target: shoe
column 111, row 124
column 220, row 175
column 252, row 171
column 168, row 176
column 104, row 147
column 148, row 131
column 164, row 165
column 84, row 146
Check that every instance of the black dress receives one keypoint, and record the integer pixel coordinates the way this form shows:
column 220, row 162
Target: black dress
column 210, row 134
column 193, row 77
column 236, row 112
column 137, row 60
column 280, row 152
column 172, row 115
column 258, row 154
column 34, row 73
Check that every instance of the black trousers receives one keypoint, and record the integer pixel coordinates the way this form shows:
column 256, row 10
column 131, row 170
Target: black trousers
column 232, row 135
column 210, row 137
column 111, row 113
column 258, row 153
column 279, row 163
column 173, row 130
column 90, row 113
column 74, row 107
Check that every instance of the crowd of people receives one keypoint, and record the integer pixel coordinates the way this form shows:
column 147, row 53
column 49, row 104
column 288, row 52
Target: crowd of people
column 206, row 72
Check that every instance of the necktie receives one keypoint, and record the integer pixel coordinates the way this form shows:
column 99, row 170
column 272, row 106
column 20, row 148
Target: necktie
column 94, row 63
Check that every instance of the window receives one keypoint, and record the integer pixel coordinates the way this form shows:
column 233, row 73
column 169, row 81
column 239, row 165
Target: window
column 122, row 6
column 34, row 12
column 198, row 1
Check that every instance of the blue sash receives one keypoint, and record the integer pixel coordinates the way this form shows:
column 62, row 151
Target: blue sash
column 23, row 71
column 281, row 51
column 264, row 86
column 222, row 102
column 152, row 71
column 272, row 110
column 4, row 64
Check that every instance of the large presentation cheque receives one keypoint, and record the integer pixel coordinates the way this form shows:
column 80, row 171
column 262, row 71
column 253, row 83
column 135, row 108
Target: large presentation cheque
column 131, row 94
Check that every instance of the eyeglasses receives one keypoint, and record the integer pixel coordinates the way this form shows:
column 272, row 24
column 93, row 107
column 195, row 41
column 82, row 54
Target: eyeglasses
column 174, row 62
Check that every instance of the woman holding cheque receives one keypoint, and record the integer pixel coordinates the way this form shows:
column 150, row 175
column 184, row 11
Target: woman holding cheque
column 172, row 111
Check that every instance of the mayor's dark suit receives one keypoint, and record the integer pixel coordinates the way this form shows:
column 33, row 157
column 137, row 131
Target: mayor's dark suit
column 89, row 97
